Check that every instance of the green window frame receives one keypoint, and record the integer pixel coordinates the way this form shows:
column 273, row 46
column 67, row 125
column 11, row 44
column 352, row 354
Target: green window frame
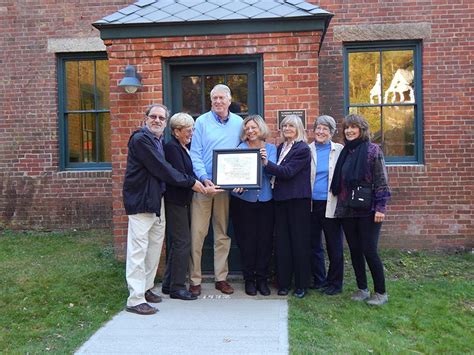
column 382, row 82
column 84, row 111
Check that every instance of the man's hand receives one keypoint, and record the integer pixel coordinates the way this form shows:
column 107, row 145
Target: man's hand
column 379, row 217
column 198, row 187
column 212, row 190
column 208, row 183
column 263, row 155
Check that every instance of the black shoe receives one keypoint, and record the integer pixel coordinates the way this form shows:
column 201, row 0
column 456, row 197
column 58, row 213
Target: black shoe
column 283, row 291
column 184, row 295
column 262, row 287
column 331, row 291
column 315, row 286
column 299, row 293
column 250, row 288
column 165, row 290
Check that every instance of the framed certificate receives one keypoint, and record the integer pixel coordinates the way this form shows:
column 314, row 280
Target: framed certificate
column 233, row 168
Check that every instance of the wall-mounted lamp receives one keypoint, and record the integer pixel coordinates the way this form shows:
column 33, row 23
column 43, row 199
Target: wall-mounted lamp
column 131, row 81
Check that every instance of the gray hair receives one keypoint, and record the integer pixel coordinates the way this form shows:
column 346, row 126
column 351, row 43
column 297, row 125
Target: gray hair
column 327, row 121
column 221, row 88
column 148, row 109
column 295, row 121
column 262, row 126
column 180, row 120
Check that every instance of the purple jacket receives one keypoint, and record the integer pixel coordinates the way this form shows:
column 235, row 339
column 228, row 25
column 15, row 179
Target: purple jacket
column 293, row 174
column 375, row 175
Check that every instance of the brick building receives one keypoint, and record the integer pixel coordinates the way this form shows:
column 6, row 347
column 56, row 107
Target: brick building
column 407, row 66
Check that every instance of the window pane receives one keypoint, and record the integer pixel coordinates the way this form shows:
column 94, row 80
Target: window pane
column 82, row 138
column 399, row 131
column 372, row 115
column 105, row 151
column 238, row 84
column 192, row 95
column 398, row 76
column 80, row 85
column 209, row 82
column 102, row 83
column 364, row 85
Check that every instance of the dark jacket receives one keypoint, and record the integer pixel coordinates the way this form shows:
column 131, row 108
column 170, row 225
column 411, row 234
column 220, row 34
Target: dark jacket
column 177, row 156
column 293, row 173
column 146, row 170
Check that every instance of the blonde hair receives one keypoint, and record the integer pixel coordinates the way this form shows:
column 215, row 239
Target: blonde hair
column 262, row 126
column 295, row 121
column 180, row 120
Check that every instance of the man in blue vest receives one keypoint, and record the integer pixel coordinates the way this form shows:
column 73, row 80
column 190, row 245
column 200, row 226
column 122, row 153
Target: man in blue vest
column 216, row 129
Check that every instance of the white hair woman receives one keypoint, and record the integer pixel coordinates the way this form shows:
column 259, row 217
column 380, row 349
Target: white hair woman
column 324, row 153
column 252, row 213
column 292, row 195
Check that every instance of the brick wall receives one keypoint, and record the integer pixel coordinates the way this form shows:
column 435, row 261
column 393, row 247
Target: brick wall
column 290, row 71
column 432, row 205
column 34, row 194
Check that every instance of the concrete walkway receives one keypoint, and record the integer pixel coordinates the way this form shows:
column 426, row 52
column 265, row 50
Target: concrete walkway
column 213, row 324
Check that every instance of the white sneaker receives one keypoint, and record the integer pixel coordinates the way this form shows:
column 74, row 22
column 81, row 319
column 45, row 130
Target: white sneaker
column 360, row 295
column 378, row 299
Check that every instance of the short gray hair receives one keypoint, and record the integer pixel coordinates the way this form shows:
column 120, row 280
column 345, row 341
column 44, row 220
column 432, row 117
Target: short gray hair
column 327, row 121
column 296, row 122
column 180, row 120
column 223, row 88
column 262, row 126
column 148, row 109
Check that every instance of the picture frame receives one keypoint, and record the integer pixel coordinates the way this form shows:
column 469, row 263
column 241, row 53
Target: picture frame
column 234, row 168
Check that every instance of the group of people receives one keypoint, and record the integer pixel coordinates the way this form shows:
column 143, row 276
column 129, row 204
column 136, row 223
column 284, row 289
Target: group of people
column 305, row 190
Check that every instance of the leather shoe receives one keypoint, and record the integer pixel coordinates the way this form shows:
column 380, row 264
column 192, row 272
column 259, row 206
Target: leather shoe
column 151, row 297
column 283, row 291
column 195, row 290
column 299, row 293
column 331, row 291
column 250, row 288
column 165, row 290
column 142, row 308
column 224, row 287
column 184, row 295
column 262, row 287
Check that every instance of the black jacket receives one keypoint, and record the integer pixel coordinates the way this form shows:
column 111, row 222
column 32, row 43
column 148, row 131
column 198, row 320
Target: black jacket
column 146, row 170
column 177, row 156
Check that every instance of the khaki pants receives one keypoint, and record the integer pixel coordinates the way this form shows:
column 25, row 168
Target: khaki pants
column 145, row 237
column 202, row 208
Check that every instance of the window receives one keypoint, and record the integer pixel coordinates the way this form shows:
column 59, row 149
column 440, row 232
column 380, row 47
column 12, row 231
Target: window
column 84, row 115
column 383, row 84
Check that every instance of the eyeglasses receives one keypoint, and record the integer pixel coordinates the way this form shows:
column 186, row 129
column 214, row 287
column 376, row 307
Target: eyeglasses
column 322, row 129
column 154, row 117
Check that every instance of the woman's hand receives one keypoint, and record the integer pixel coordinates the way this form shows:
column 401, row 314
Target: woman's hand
column 263, row 155
column 379, row 217
column 238, row 190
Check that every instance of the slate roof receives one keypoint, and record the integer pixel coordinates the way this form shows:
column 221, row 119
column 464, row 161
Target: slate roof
column 169, row 11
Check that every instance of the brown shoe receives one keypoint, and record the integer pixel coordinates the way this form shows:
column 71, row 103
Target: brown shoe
column 195, row 290
column 143, row 309
column 224, row 287
column 151, row 297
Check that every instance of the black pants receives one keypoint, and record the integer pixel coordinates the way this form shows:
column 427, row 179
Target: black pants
column 334, row 245
column 293, row 243
column 178, row 224
column 362, row 235
column 253, row 226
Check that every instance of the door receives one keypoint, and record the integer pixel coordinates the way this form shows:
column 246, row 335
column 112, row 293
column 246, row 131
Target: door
column 190, row 84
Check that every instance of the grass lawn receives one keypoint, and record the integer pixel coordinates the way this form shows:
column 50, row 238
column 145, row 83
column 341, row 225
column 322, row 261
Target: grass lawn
column 430, row 310
column 56, row 289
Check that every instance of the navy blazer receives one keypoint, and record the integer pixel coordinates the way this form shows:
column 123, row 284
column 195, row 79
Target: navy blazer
column 293, row 175
column 146, row 170
column 177, row 156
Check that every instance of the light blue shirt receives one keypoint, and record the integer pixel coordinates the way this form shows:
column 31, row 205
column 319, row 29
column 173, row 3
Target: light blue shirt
column 265, row 193
column 320, row 188
column 209, row 135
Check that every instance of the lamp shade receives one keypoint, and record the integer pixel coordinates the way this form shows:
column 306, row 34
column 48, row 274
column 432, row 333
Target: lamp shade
column 131, row 80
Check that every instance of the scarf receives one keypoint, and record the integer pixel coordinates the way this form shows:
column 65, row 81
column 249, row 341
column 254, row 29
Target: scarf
column 358, row 165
